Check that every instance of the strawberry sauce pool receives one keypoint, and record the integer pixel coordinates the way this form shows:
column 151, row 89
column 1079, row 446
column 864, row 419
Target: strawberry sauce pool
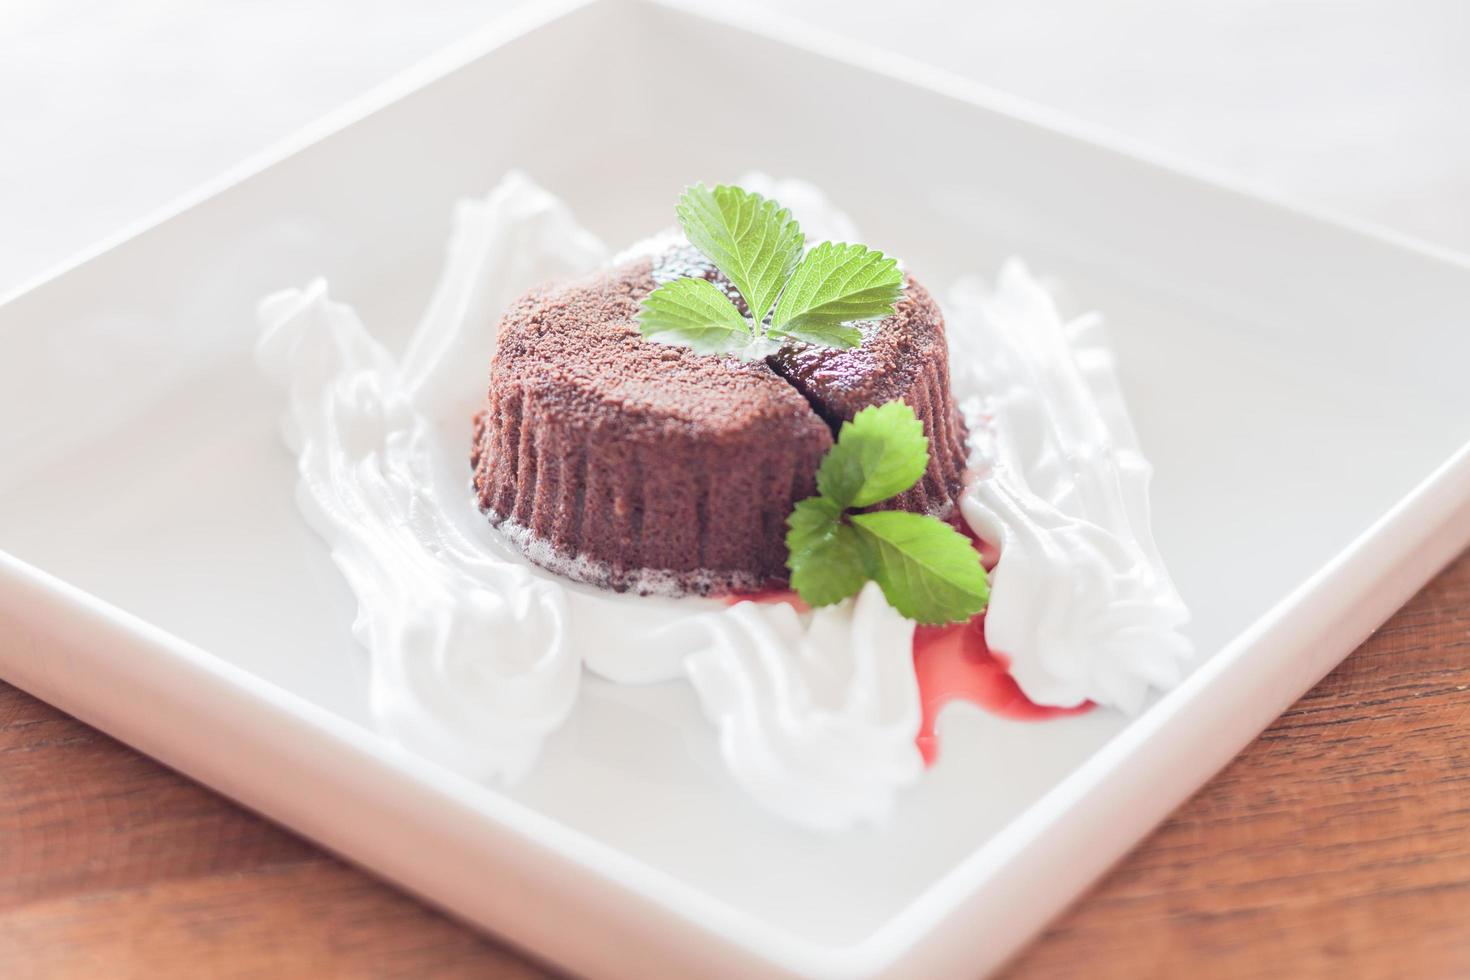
column 953, row 663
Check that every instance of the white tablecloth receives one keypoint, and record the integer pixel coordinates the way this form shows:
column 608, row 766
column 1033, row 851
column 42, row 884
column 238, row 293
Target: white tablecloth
column 110, row 110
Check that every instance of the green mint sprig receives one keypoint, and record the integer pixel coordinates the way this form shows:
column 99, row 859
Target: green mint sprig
column 927, row 570
column 758, row 246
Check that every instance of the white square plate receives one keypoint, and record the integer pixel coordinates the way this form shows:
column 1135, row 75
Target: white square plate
column 1298, row 383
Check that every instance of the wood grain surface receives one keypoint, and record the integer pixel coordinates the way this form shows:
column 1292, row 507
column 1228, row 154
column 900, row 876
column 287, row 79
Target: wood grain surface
column 1338, row 843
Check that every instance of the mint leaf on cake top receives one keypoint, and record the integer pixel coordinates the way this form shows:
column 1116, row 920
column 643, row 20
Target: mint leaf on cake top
column 834, row 286
column 754, row 241
column 695, row 314
column 926, row 568
column 757, row 245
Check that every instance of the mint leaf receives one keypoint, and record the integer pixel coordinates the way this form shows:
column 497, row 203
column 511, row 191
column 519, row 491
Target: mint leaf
column 753, row 241
column 826, row 557
column 838, row 335
column 880, row 453
column 810, row 521
column 836, row 285
column 757, row 245
column 693, row 313
column 927, row 570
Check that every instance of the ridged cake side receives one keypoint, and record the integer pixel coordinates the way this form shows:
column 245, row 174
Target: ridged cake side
column 633, row 466
column 629, row 516
column 904, row 356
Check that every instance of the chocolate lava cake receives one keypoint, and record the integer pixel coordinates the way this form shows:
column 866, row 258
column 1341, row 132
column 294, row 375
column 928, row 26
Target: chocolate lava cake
column 639, row 466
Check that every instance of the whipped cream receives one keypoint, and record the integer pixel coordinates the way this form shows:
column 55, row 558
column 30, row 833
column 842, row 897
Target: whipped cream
column 811, row 714
column 1080, row 599
column 476, row 655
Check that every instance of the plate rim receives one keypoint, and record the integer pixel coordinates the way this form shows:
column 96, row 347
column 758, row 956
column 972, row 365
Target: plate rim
column 774, row 26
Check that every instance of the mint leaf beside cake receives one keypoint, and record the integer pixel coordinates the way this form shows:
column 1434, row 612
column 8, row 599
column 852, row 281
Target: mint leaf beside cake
column 927, row 570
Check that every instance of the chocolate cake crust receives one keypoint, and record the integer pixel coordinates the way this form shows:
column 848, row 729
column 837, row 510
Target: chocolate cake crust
column 646, row 467
column 638, row 466
column 906, row 357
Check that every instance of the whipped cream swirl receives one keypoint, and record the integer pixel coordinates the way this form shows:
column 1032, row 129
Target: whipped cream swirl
column 1080, row 599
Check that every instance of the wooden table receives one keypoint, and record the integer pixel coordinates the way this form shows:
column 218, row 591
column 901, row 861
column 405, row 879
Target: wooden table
column 1339, row 842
